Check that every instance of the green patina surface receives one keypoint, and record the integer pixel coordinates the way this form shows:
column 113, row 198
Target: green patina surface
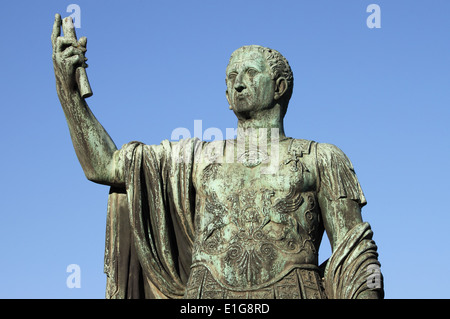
column 243, row 217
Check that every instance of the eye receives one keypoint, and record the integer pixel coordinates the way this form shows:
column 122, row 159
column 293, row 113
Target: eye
column 252, row 72
column 232, row 76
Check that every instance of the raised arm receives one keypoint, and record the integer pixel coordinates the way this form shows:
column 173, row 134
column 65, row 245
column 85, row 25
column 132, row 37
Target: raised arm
column 95, row 149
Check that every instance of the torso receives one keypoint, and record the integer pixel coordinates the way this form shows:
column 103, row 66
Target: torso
column 255, row 222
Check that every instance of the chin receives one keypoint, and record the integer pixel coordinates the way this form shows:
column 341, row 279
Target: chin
column 243, row 106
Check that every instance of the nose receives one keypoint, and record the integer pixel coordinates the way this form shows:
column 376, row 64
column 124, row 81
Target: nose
column 238, row 85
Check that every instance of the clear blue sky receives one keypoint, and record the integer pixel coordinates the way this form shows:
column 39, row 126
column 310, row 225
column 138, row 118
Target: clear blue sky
column 381, row 95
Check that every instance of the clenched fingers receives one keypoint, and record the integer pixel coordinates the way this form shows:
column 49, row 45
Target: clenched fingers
column 76, row 59
column 62, row 43
column 72, row 51
column 82, row 42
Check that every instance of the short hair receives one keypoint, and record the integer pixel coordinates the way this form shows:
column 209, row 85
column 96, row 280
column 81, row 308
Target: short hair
column 278, row 66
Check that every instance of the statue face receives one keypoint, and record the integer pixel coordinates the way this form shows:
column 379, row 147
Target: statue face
column 250, row 86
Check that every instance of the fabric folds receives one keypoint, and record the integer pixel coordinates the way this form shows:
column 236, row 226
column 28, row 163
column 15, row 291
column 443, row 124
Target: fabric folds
column 150, row 228
column 347, row 271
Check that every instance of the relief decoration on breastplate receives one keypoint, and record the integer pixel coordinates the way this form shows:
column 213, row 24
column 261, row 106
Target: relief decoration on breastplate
column 252, row 229
column 255, row 234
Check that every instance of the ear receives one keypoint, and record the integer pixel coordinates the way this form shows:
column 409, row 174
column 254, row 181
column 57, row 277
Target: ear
column 228, row 99
column 280, row 87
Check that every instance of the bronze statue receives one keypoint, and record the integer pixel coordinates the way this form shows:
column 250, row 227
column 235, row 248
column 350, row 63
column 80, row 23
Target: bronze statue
column 238, row 218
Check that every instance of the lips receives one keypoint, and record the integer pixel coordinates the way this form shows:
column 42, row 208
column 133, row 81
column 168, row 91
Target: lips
column 241, row 96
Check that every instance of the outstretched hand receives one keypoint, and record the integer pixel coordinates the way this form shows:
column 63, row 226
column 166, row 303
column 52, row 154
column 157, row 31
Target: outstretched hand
column 68, row 53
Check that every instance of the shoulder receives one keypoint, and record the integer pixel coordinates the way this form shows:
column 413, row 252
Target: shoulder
column 327, row 148
column 329, row 153
column 337, row 175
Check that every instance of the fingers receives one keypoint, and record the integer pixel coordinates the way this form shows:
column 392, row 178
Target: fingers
column 69, row 28
column 67, row 46
column 72, row 51
column 82, row 42
column 76, row 59
column 74, row 56
column 56, row 32
column 62, row 43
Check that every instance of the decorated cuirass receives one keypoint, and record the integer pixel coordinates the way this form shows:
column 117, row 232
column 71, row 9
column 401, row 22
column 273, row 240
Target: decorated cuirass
column 256, row 217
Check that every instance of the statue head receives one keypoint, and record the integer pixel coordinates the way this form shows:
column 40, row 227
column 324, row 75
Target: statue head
column 258, row 78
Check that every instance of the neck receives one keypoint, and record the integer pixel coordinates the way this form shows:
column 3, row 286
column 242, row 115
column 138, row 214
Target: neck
column 262, row 123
